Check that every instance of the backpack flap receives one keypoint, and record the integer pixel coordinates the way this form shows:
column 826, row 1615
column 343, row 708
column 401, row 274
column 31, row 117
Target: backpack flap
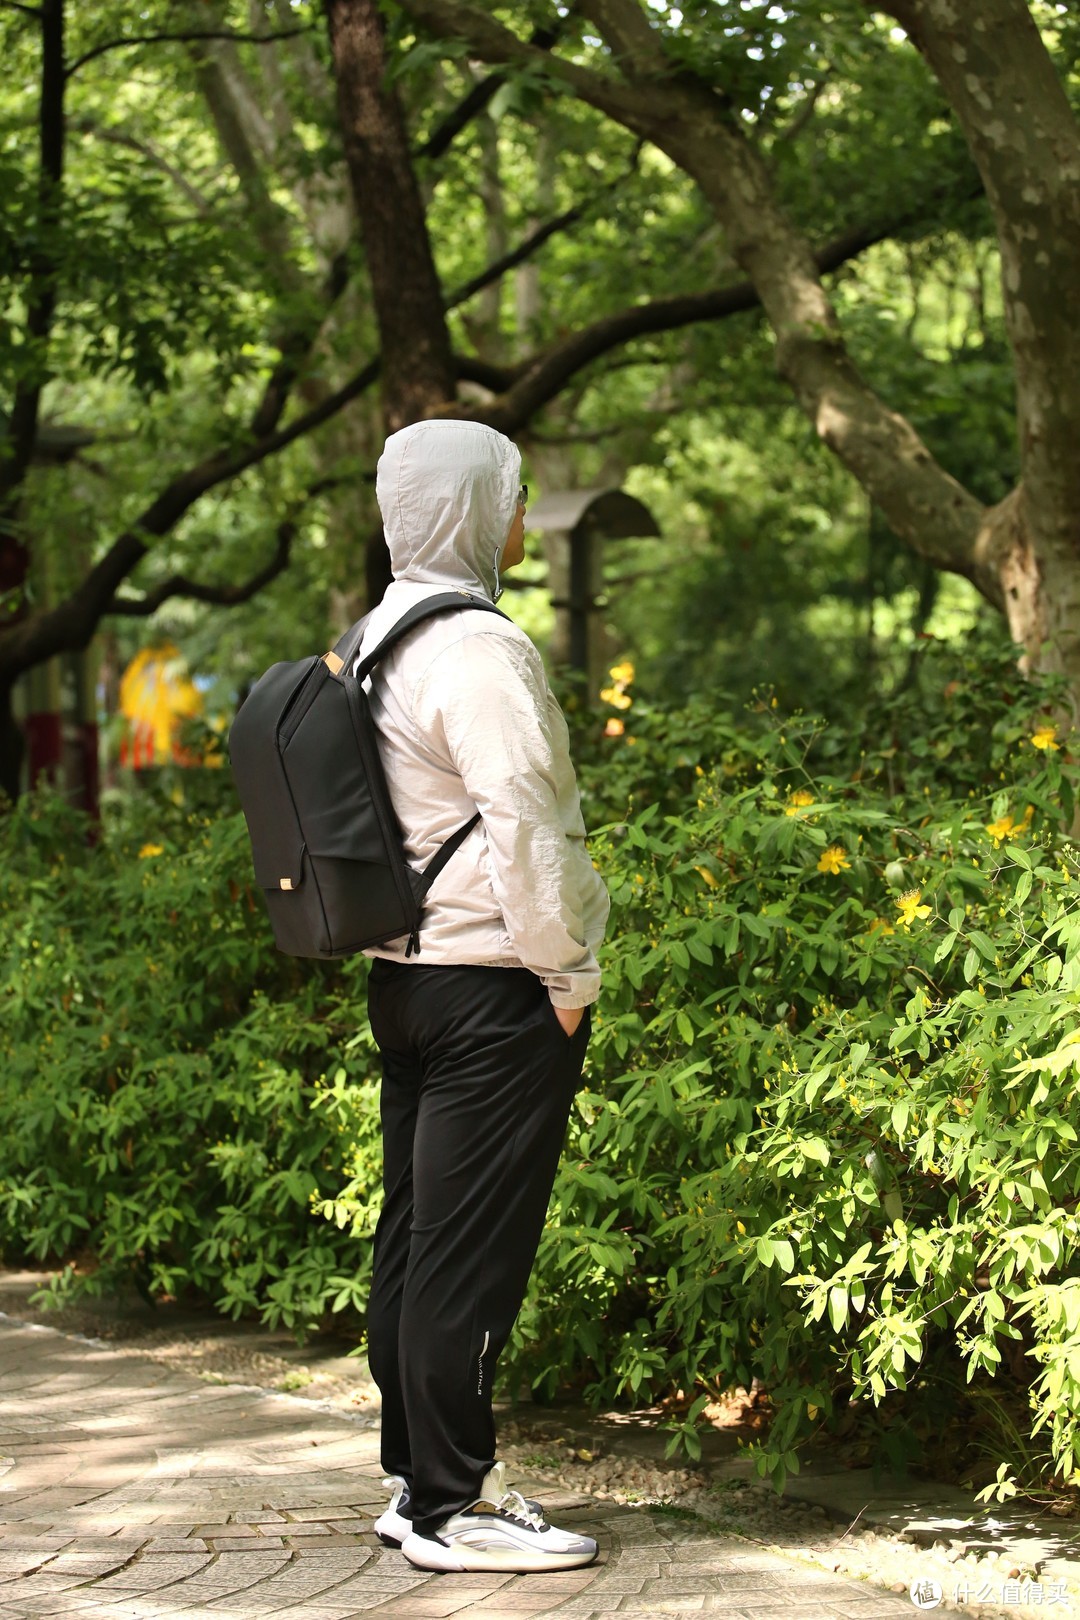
column 279, row 861
column 277, row 842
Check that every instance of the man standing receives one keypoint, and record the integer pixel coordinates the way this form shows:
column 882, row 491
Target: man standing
column 482, row 1035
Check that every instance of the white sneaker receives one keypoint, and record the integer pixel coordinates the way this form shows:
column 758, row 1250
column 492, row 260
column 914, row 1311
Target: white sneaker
column 392, row 1526
column 395, row 1523
column 499, row 1531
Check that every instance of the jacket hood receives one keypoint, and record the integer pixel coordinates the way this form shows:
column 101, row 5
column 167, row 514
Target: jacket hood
column 447, row 492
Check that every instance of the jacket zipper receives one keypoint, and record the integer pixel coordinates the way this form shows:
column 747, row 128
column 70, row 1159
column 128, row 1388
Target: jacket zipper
column 480, row 1364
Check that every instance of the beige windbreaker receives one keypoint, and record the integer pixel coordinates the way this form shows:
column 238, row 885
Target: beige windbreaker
column 467, row 722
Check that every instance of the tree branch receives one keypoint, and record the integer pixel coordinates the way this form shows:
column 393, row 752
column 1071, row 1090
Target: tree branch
column 220, row 595
column 182, row 38
column 115, row 137
column 484, row 373
column 597, row 435
column 690, row 121
column 70, row 625
column 550, row 369
column 15, row 5
column 459, row 118
column 509, row 261
column 528, row 386
column 535, row 240
column 791, row 131
column 482, row 94
column 524, row 390
column 294, row 351
column 450, row 19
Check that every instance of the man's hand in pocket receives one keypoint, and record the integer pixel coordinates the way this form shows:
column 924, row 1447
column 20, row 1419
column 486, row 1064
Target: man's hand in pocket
column 569, row 1018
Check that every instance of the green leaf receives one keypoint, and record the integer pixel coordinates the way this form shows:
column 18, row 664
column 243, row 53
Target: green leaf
column 785, row 1254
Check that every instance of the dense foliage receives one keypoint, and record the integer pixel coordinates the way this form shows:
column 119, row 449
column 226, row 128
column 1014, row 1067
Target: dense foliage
column 828, row 1135
column 204, row 220
column 174, row 1093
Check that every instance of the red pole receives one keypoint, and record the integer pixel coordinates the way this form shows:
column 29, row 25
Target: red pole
column 43, row 747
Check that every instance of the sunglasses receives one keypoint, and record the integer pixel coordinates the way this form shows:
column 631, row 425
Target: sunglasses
column 523, row 495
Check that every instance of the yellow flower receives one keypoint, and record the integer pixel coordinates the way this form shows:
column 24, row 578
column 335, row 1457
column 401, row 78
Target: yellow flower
column 149, row 850
column 881, row 925
column 1000, row 829
column 834, row 860
column 909, row 907
column 798, row 801
column 1005, row 827
column 622, row 673
column 1044, row 738
column 617, row 699
column 614, row 727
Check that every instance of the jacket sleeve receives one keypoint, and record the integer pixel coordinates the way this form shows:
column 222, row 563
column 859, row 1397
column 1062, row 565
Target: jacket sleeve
column 486, row 699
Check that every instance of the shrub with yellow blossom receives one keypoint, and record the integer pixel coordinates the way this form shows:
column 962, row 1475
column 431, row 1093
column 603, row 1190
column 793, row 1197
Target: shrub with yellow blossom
column 828, row 1132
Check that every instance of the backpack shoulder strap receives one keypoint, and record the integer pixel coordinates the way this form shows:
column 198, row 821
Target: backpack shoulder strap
column 344, row 650
column 349, row 644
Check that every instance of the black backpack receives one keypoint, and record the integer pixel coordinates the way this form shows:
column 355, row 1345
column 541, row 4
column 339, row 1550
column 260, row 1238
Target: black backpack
column 326, row 843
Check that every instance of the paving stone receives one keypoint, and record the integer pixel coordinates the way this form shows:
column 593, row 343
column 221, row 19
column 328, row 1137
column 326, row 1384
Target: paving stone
column 243, row 1544
column 524, row 1597
column 158, row 1571
column 264, row 1511
column 592, row 1602
column 486, row 1612
column 557, row 1584
column 85, row 1563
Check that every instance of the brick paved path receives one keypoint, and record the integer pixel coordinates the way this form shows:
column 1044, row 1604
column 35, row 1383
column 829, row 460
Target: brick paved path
column 129, row 1491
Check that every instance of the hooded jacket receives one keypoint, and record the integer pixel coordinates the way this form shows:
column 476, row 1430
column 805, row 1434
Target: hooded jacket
column 467, row 723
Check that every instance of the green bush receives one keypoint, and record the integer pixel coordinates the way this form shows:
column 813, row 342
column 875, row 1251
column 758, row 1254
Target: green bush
column 175, row 1096
column 827, row 1135
column 829, row 1140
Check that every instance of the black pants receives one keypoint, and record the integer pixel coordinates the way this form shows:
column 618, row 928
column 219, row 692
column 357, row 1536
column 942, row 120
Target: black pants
column 478, row 1079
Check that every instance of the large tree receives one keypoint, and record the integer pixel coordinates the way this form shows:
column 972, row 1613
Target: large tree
column 685, row 80
column 137, row 256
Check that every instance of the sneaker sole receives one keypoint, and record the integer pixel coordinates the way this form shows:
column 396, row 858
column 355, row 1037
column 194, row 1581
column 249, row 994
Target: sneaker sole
column 392, row 1528
column 424, row 1553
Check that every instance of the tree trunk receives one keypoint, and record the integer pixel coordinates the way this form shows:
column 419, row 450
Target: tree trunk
column 11, row 745
column 993, row 66
column 1023, row 555
column 418, row 374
